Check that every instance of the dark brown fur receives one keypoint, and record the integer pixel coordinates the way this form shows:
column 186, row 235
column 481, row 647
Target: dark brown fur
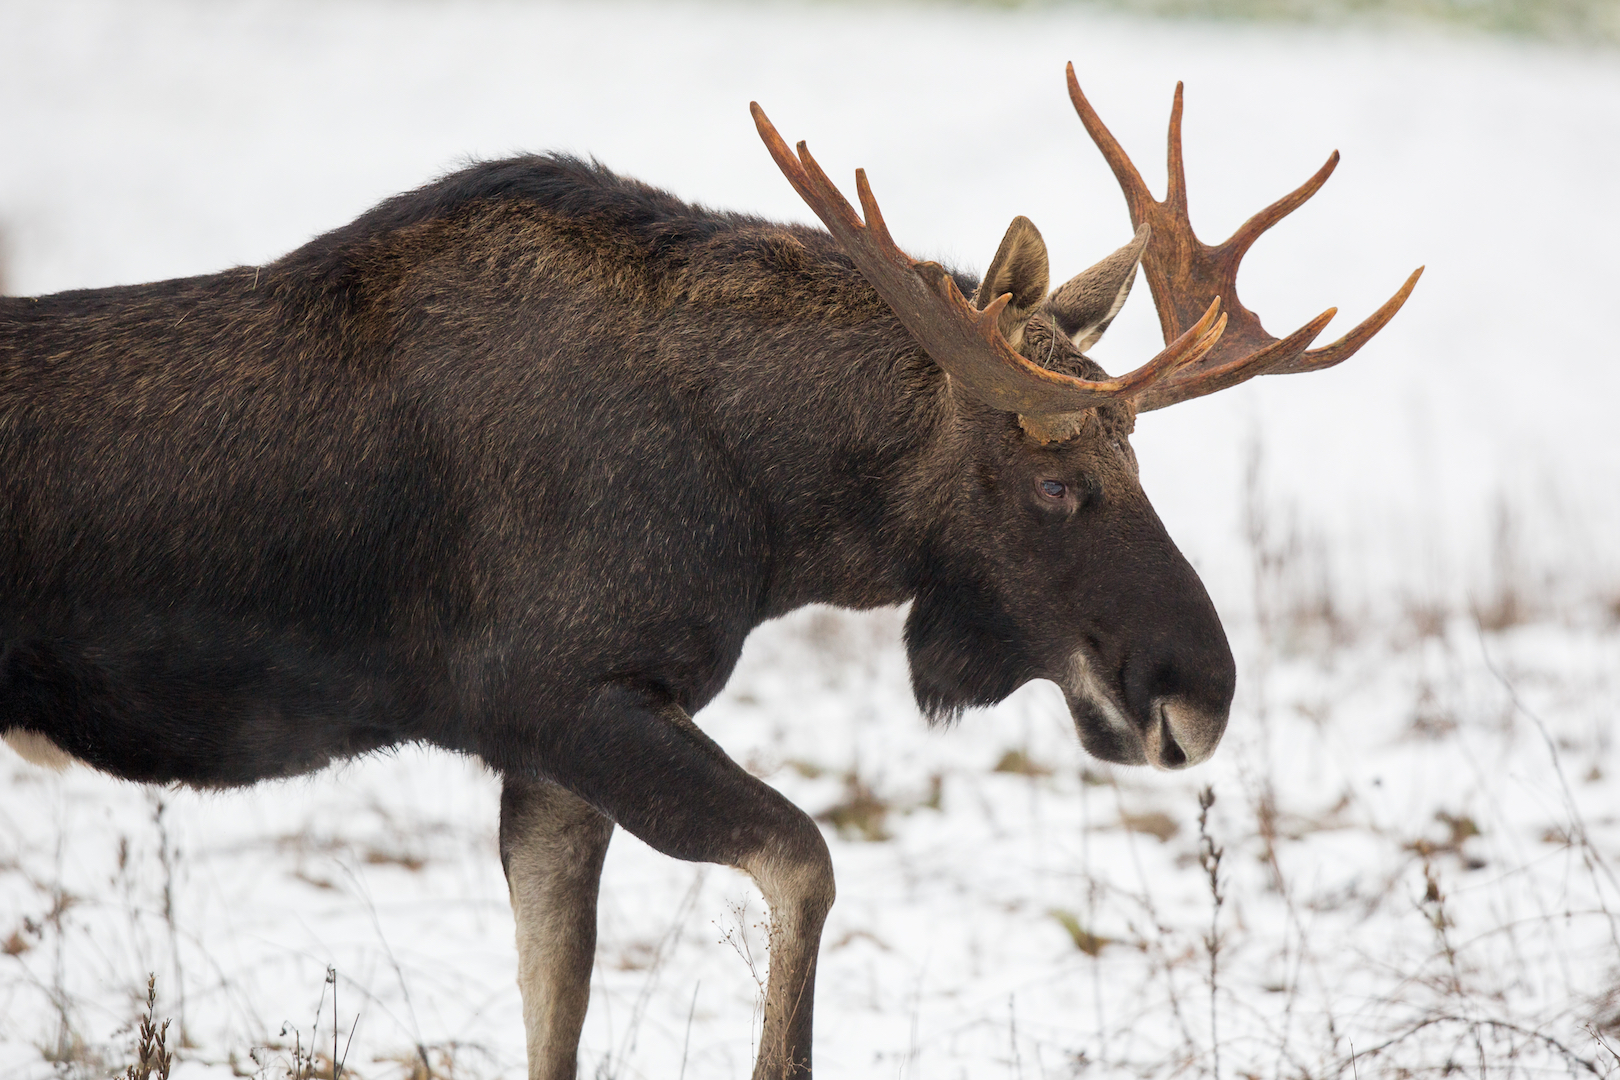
column 512, row 465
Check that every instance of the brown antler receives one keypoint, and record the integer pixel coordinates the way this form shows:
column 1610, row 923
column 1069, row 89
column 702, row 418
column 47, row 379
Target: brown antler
column 965, row 342
column 1184, row 274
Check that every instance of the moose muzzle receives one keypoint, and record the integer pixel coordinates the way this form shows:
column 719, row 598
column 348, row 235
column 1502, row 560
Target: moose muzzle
column 1164, row 698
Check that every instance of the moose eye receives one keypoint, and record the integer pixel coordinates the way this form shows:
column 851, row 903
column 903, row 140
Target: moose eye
column 1054, row 489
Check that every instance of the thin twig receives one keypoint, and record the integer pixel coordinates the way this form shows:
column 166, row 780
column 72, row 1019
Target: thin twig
column 686, row 1041
column 1500, row 1025
column 168, row 856
column 393, row 962
column 1597, row 1037
column 331, row 977
column 1012, row 1031
column 1209, row 857
column 667, row 944
column 1594, row 861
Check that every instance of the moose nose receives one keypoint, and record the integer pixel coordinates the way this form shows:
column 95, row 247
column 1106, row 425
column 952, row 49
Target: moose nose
column 1175, row 672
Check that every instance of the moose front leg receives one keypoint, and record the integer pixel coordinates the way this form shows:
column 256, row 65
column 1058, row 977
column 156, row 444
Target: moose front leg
column 639, row 758
column 552, row 847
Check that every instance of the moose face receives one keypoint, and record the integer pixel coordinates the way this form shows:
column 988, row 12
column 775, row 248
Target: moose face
column 1048, row 561
column 1133, row 639
column 1054, row 565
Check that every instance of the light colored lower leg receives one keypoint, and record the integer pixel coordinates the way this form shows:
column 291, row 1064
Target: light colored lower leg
column 799, row 891
column 554, row 854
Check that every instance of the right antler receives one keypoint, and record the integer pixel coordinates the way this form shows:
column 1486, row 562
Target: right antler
column 1184, row 274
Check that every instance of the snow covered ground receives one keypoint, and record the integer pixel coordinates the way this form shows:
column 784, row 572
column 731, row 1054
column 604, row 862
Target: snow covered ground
column 1416, row 799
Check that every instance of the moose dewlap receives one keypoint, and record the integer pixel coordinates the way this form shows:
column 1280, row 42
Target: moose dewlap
column 514, row 463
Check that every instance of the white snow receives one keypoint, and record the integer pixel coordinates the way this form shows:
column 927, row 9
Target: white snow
column 1465, row 455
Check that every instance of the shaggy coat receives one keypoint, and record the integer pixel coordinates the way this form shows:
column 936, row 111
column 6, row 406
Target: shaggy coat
column 512, row 465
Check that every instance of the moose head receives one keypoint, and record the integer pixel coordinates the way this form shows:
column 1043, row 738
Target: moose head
column 1046, row 559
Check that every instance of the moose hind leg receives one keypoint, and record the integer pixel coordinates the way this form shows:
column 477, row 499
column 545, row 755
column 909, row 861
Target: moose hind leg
column 552, row 847
column 639, row 757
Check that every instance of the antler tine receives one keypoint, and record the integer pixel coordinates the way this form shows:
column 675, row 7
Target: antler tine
column 869, row 208
column 1237, row 245
column 829, row 196
column 1184, row 274
column 1339, row 351
column 965, row 342
column 1175, row 168
column 807, row 178
column 1208, row 379
column 1178, row 356
column 1137, row 196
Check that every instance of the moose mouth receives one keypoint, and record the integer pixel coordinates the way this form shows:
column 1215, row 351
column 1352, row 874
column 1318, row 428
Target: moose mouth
column 1171, row 736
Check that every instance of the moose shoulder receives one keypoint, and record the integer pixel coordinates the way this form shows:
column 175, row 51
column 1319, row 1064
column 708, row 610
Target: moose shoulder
column 514, row 463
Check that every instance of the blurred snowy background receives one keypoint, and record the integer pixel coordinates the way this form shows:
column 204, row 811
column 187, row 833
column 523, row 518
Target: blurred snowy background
column 1413, row 553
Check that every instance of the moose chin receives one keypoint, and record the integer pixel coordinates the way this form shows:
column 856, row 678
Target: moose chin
column 514, row 463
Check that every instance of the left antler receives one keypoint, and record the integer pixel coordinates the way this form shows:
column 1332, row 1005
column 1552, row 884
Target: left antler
column 1184, row 274
column 964, row 341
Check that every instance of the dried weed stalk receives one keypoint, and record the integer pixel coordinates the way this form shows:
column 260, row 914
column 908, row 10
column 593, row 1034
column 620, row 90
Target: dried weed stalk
column 1209, row 858
column 737, row 937
column 152, row 1054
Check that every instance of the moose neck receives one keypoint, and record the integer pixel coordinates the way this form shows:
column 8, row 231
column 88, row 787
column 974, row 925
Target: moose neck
column 742, row 357
column 845, row 425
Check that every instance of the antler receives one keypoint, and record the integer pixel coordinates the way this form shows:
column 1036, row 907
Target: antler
column 965, row 342
column 1184, row 274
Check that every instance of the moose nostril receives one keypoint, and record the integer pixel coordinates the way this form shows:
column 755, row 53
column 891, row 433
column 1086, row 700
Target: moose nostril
column 1182, row 734
column 1171, row 755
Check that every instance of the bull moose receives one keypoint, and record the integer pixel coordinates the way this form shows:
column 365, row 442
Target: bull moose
column 513, row 464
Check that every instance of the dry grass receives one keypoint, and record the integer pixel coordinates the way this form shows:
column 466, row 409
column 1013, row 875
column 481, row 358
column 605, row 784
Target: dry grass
column 153, row 1058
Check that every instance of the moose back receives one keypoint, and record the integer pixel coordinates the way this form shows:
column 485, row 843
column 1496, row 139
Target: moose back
column 514, row 463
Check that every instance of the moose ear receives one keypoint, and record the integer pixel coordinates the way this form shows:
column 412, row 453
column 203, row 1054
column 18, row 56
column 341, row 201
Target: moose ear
column 1018, row 268
column 1087, row 303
